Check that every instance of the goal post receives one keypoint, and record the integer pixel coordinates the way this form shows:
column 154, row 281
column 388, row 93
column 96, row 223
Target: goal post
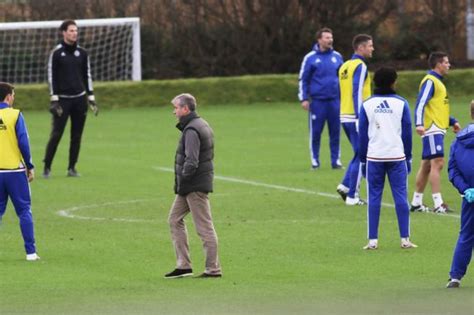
column 113, row 46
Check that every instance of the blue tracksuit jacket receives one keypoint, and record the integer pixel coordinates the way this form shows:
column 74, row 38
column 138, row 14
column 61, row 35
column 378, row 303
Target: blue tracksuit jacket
column 318, row 77
column 461, row 175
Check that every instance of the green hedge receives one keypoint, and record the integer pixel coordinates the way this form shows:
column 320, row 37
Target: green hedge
column 221, row 91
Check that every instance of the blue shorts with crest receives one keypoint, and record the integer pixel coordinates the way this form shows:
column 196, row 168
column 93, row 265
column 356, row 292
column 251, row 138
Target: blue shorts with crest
column 433, row 146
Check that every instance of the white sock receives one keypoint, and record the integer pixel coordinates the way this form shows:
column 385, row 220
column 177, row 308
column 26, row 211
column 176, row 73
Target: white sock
column 437, row 200
column 417, row 199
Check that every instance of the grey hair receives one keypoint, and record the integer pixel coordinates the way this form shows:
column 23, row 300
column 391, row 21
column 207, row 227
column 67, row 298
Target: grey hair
column 185, row 99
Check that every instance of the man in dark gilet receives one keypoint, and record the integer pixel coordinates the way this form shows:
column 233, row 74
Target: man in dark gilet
column 194, row 173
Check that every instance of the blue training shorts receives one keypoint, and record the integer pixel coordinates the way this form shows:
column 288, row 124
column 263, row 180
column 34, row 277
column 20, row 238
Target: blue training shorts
column 433, row 146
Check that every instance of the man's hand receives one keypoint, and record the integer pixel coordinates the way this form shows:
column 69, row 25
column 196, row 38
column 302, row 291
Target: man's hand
column 456, row 127
column 420, row 130
column 31, row 175
column 305, row 105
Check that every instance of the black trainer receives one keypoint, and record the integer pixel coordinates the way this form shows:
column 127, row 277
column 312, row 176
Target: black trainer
column 453, row 283
column 46, row 173
column 179, row 273
column 73, row 173
column 444, row 208
column 419, row 208
column 209, row 275
column 342, row 193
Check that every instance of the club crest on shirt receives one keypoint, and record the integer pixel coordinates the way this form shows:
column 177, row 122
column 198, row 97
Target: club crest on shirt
column 317, row 60
column 63, row 54
column 77, row 53
column 333, row 59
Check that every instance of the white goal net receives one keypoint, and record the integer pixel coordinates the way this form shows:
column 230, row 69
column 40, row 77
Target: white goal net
column 113, row 46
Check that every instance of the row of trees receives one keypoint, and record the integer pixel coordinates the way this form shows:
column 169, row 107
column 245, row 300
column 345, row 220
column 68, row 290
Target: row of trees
column 194, row 38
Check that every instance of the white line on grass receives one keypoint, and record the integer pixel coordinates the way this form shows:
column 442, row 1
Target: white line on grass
column 68, row 213
column 279, row 187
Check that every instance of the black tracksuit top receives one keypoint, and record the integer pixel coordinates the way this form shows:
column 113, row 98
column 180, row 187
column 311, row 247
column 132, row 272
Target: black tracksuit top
column 69, row 71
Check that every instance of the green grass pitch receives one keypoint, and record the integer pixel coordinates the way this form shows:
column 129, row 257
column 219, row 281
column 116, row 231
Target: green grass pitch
column 288, row 245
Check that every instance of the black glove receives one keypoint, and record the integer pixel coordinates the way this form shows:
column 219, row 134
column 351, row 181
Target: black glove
column 94, row 107
column 55, row 108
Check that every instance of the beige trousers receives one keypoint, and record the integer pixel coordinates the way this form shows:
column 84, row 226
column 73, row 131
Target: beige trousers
column 198, row 204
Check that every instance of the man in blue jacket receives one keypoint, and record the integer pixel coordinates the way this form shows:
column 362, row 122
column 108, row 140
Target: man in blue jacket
column 461, row 175
column 319, row 83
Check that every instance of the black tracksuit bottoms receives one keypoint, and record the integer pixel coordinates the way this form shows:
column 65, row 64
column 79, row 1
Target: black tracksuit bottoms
column 76, row 108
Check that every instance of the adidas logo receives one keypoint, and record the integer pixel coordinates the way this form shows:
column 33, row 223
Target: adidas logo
column 383, row 108
column 2, row 125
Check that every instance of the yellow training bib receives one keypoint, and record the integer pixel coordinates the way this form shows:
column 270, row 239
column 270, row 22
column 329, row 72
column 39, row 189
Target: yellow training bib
column 346, row 78
column 437, row 108
column 10, row 155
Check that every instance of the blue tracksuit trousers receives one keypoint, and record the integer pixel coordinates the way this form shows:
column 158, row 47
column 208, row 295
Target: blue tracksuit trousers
column 320, row 112
column 397, row 177
column 15, row 185
column 465, row 244
column 353, row 175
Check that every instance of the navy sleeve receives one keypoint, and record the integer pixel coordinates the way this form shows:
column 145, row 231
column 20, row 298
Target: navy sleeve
column 23, row 141
column 305, row 78
column 363, row 135
column 407, row 132
column 455, row 176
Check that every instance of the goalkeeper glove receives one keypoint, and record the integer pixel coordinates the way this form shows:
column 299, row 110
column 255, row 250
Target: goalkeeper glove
column 469, row 195
column 54, row 107
column 93, row 105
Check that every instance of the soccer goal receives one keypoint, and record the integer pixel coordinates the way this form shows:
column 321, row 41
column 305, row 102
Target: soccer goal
column 113, row 46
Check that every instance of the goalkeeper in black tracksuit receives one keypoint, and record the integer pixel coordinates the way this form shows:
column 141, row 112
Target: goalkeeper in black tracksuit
column 70, row 84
